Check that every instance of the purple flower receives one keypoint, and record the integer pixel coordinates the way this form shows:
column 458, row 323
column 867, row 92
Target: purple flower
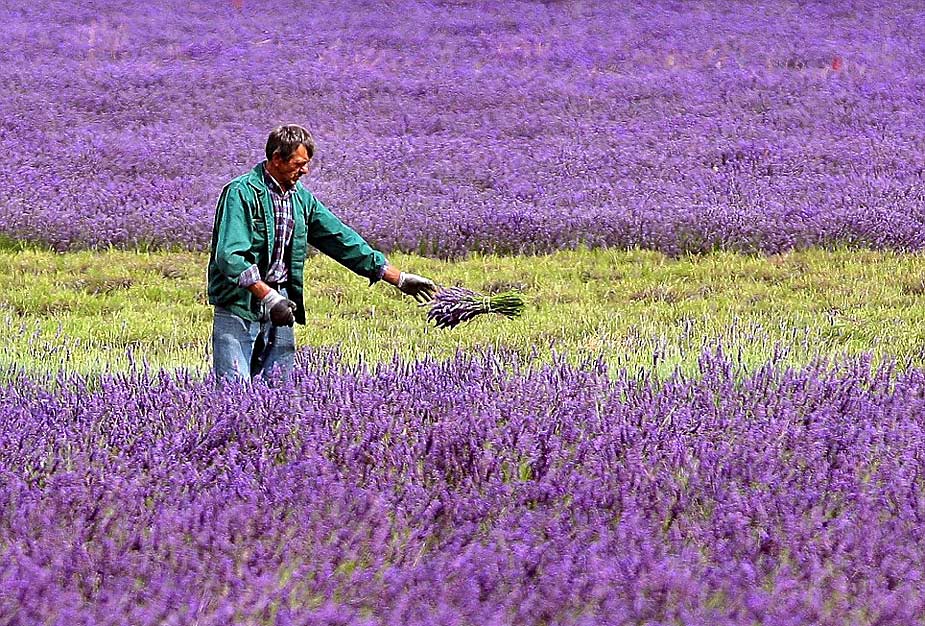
column 455, row 305
column 660, row 128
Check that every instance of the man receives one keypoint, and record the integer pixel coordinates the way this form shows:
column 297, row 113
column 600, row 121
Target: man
column 264, row 222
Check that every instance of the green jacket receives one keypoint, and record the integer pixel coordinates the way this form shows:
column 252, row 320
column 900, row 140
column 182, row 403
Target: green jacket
column 243, row 235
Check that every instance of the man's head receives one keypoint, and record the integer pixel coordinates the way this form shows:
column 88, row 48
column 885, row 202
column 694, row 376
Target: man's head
column 289, row 150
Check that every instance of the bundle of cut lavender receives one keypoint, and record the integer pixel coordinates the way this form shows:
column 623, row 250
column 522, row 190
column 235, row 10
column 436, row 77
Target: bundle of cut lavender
column 454, row 305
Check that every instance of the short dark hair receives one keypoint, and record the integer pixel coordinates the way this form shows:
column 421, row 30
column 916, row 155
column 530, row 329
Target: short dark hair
column 286, row 139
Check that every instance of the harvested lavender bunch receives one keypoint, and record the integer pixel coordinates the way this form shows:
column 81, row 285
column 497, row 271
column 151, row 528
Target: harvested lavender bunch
column 455, row 305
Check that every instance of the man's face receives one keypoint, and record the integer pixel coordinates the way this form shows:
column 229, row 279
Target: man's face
column 287, row 173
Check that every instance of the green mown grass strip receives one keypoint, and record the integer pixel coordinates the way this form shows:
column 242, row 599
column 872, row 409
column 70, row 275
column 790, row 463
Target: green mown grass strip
column 86, row 311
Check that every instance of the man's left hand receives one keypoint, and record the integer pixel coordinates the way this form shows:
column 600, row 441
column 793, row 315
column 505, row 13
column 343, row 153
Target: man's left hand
column 418, row 287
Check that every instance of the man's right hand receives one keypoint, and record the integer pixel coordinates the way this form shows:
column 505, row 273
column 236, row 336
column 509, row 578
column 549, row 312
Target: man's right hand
column 278, row 309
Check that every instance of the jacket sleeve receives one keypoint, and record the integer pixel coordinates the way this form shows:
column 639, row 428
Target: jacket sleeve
column 340, row 242
column 234, row 234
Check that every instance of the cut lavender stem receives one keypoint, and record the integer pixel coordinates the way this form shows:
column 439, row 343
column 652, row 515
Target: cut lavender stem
column 454, row 305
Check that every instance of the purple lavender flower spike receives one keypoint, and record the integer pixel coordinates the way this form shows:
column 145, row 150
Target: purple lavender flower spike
column 455, row 305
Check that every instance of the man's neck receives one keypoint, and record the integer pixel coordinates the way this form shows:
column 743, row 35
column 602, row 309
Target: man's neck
column 279, row 185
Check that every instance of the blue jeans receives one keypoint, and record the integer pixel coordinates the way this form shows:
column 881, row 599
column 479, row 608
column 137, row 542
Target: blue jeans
column 233, row 346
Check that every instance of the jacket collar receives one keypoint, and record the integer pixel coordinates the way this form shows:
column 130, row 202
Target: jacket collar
column 255, row 179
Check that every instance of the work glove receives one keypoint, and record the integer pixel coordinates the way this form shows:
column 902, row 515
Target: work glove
column 418, row 287
column 278, row 309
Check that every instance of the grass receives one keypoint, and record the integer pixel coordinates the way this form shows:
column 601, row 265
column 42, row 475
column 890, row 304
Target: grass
column 103, row 311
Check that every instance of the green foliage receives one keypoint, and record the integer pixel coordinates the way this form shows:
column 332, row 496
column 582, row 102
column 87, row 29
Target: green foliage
column 96, row 311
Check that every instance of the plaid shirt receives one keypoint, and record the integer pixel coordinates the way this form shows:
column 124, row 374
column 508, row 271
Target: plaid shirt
column 285, row 223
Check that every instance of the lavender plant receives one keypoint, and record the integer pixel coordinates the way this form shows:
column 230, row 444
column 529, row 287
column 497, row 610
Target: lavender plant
column 763, row 129
column 455, row 305
column 479, row 491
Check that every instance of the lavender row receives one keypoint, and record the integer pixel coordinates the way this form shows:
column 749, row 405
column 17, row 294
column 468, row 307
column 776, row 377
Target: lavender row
column 474, row 491
column 445, row 128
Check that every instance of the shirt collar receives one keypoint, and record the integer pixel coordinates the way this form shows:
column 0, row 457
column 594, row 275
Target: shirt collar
column 272, row 184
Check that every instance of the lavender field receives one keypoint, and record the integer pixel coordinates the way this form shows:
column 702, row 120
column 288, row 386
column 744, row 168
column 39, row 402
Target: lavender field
column 448, row 127
column 727, row 439
column 476, row 491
